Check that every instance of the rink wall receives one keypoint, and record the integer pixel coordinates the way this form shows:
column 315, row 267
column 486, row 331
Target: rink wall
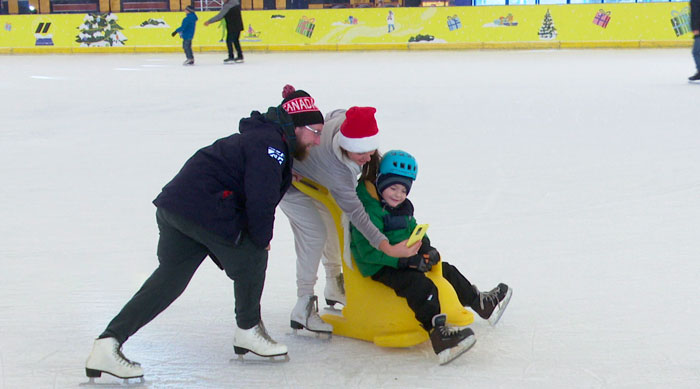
column 483, row 27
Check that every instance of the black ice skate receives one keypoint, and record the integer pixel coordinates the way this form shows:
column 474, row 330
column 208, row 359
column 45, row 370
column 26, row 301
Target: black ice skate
column 449, row 343
column 188, row 62
column 229, row 61
column 695, row 77
column 238, row 59
column 490, row 305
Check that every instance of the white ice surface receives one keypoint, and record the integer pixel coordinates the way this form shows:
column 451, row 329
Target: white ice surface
column 573, row 176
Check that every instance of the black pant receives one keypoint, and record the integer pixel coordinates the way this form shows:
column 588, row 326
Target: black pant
column 420, row 292
column 232, row 36
column 182, row 247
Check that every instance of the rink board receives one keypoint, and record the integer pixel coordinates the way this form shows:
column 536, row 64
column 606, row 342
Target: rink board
column 492, row 27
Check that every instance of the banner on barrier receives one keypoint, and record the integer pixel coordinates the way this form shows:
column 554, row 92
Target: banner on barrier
column 432, row 25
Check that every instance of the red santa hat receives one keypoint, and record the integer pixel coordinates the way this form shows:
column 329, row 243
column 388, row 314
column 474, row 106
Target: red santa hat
column 359, row 132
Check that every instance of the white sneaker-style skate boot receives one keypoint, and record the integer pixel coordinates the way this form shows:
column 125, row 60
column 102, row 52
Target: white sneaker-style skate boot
column 305, row 315
column 334, row 291
column 107, row 357
column 257, row 341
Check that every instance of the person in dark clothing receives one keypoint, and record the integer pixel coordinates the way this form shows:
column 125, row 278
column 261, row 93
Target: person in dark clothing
column 695, row 26
column 186, row 31
column 231, row 11
column 221, row 204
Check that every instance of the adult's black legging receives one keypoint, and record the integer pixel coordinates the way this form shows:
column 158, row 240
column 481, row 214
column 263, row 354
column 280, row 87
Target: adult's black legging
column 232, row 36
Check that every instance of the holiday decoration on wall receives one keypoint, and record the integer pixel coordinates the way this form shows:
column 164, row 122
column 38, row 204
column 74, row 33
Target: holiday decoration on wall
column 41, row 33
column 453, row 23
column 251, row 35
column 503, row 21
column 100, row 30
column 681, row 21
column 547, row 31
column 601, row 18
column 154, row 23
column 422, row 38
column 306, row 26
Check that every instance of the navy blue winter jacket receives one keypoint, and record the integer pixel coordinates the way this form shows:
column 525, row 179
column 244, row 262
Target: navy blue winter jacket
column 186, row 29
column 233, row 186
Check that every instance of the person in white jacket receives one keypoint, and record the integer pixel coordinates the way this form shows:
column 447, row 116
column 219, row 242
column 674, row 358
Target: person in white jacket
column 349, row 143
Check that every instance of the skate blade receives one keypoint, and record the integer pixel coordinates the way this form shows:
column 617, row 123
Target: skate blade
column 447, row 356
column 496, row 316
column 126, row 383
column 323, row 335
column 260, row 359
column 333, row 309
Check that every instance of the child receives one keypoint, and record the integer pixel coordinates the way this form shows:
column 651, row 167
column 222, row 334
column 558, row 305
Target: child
column 186, row 31
column 387, row 206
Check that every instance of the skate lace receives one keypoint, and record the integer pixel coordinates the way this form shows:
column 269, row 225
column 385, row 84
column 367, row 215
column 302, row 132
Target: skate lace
column 122, row 359
column 312, row 309
column 490, row 296
column 312, row 306
column 341, row 282
column 261, row 332
column 448, row 331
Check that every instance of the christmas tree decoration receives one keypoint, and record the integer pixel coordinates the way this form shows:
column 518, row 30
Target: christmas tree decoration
column 100, row 30
column 547, row 31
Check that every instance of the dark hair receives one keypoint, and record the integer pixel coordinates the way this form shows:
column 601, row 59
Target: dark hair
column 370, row 170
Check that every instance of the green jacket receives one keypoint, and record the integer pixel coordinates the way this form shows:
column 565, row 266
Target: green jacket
column 368, row 259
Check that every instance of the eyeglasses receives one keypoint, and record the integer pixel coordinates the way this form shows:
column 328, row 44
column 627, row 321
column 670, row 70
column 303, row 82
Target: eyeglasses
column 316, row 132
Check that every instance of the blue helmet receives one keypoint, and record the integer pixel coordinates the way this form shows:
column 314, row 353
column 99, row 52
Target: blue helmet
column 400, row 163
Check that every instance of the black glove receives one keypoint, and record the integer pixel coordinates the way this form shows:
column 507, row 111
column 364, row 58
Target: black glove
column 427, row 250
column 174, row 33
column 431, row 255
column 416, row 262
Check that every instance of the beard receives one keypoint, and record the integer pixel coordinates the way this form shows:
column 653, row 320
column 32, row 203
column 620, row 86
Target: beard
column 302, row 152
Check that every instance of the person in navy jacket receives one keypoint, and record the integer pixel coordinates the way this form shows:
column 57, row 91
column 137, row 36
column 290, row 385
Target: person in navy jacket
column 186, row 31
column 695, row 27
column 221, row 204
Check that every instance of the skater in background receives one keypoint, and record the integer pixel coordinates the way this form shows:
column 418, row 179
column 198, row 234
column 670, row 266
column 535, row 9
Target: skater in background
column 695, row 26
column 221, row 204
column 186, row 31
column 348, row 145
column 231, row 11
column 385, row 200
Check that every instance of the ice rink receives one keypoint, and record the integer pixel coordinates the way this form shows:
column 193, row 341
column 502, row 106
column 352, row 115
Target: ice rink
column 573, row 176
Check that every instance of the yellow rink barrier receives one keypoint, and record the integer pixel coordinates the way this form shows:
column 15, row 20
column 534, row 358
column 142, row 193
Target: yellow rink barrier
column 429, row 28
column 373, row 312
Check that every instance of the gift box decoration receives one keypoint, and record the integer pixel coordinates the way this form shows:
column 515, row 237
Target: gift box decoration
column 681, row 21
column 306, row 26
column 453, row 23
column 602, row 18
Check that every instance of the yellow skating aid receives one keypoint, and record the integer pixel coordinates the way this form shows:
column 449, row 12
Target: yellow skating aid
column 373, row 312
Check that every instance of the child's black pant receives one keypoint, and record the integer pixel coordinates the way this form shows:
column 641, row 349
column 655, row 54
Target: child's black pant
column 420, row 292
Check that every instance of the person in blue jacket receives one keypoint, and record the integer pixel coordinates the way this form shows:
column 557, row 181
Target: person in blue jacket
column 221, row 204
column 186, row 31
